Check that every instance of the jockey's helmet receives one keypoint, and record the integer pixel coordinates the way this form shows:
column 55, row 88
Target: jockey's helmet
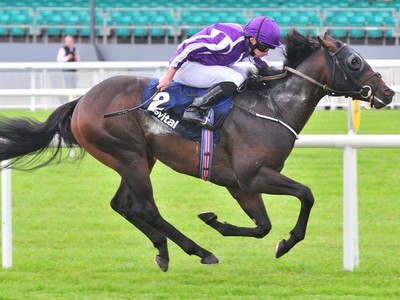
column 264, row 30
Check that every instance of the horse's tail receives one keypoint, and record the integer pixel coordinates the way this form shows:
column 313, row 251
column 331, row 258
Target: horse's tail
column 24, row 140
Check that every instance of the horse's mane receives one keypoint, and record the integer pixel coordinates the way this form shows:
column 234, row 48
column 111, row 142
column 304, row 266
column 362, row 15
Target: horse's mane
column 298, row 48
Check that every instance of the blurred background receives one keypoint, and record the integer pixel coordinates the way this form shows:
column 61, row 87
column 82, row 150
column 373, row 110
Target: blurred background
column 122, row 29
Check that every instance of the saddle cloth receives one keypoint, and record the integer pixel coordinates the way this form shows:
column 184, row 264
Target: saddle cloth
column 168, row 107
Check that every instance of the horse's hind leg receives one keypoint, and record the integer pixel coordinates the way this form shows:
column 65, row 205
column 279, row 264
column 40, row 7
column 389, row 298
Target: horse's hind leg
column 122, row 203
column 253, row 205
column 144, row 208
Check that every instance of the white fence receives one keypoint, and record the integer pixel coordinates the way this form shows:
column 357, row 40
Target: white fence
column 41, row 85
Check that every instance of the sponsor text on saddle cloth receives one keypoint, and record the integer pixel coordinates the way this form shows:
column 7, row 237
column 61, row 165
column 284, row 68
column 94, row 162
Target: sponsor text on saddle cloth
column 168, row 107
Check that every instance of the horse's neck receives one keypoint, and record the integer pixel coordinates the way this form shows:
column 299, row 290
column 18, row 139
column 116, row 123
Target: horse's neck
column 298, row 100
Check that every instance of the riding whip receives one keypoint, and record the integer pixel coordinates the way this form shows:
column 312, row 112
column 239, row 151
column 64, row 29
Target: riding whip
column 125, row 111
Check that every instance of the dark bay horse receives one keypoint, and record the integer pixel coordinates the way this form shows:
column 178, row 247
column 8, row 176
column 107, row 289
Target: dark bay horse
column 248, row 159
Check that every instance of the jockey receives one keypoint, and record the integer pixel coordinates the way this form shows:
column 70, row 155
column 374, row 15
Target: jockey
column 207, row 59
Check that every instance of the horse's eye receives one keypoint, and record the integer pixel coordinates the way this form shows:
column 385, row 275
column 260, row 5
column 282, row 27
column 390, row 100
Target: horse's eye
column 354, row 62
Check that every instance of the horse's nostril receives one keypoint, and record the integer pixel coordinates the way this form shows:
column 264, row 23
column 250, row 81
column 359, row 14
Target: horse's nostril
column 388, row 93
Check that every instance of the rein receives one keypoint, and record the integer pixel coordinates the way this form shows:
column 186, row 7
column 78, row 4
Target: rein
column 365, row 92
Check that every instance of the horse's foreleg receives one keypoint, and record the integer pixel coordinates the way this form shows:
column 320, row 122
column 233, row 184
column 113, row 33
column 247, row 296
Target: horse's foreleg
column 269, row 181
column 122, row 203
column 253, row 205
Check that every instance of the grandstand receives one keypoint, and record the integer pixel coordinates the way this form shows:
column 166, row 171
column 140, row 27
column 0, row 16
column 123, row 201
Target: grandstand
column 170, row 21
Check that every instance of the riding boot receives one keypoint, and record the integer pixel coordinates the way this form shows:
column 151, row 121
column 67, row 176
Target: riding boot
column 197, row 111
column 269, row 71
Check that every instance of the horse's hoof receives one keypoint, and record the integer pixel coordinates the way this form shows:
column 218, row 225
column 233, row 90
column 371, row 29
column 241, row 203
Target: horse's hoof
column 210, row 260
column 280, row 249
column 207, row 217
column 162, row 263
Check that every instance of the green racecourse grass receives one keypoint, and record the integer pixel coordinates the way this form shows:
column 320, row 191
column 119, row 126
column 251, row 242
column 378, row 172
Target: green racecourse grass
column 69, row 244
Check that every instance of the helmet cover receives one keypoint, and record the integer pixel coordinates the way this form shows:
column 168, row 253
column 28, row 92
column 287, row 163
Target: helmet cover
column 264, row 30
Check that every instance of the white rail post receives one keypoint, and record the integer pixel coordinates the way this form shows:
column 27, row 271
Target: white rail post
column 350, row 192
column 33, row 83
column 350, row 210
column 6, row 216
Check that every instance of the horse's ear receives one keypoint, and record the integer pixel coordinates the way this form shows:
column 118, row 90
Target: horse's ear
column 328, row 37
column 327, row 42
column 321, row 41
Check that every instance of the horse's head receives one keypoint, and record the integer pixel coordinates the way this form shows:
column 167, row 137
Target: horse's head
column 351, row 76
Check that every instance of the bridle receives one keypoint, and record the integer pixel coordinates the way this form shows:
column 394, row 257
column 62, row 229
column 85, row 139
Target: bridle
column 336, row 66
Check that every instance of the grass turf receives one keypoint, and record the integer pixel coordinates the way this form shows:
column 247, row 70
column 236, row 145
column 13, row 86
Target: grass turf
column 69, row 244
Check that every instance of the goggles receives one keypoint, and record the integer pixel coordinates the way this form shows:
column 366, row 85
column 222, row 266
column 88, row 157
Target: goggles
column 263, row 47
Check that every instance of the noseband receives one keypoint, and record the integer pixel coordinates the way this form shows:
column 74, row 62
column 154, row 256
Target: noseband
column 336, row 65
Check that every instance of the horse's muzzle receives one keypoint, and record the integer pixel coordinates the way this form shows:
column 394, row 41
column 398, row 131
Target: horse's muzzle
column 380, row 100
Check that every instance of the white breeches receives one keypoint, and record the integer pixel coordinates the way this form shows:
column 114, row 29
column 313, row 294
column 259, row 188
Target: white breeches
column 201, row 76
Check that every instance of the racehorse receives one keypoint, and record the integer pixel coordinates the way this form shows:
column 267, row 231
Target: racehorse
column 256, row 138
